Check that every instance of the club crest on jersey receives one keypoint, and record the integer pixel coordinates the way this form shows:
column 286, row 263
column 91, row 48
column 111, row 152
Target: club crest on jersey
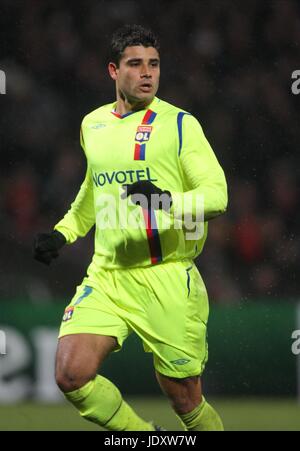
column 143, row 133
column 68, row 314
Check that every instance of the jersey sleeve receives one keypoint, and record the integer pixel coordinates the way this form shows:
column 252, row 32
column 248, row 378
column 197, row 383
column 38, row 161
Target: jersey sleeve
column 81, row 216
column 202, row 174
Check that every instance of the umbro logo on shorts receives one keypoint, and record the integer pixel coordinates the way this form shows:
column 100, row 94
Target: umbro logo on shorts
column 180, row 361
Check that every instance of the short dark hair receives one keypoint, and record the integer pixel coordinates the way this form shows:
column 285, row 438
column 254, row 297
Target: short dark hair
column 130, row 35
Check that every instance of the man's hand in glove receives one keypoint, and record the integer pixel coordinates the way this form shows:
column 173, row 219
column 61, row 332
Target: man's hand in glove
column 147, row 195
column 47, row 245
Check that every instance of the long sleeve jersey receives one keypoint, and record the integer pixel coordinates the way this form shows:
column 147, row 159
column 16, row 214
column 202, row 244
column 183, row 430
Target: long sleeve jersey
column 160, row 143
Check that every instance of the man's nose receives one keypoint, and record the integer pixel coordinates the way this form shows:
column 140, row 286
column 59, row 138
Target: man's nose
column 145, row 72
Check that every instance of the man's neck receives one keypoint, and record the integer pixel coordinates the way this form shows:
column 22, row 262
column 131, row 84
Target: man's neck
column 124, row 106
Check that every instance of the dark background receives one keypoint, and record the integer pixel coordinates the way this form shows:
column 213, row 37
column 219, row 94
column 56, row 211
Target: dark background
column 227, row 62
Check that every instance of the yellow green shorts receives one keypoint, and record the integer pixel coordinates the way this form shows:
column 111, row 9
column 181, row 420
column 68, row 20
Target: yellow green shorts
column 165, row 305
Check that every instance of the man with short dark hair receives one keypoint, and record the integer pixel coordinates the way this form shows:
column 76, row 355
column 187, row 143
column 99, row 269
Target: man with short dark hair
column 151, row 185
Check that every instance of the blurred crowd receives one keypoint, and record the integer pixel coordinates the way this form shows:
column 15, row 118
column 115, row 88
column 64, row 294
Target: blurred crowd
column 227, row 62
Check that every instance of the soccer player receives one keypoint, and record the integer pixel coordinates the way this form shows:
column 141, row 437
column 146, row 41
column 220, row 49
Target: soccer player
column 150, row 160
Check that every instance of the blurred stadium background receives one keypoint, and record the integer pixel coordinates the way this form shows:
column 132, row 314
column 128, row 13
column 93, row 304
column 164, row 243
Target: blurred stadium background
column 230, row 64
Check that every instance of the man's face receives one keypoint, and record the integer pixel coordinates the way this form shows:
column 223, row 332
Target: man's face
column 137, row 76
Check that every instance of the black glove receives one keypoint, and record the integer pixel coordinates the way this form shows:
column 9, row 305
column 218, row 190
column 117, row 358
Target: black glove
column 47, row 245
column 147, row 188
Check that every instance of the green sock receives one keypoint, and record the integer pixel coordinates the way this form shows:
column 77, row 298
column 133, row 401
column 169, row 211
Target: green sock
column 101, row 402
column 202, row 418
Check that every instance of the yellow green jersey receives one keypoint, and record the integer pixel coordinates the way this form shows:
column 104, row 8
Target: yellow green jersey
column 162, row 144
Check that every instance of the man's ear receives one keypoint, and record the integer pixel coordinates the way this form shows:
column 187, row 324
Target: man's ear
column 112, row 69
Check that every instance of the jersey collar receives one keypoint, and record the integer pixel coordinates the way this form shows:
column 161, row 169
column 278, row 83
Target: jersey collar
column 119, row 116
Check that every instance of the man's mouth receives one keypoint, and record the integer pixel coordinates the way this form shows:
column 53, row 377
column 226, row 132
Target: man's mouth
column 145, row 86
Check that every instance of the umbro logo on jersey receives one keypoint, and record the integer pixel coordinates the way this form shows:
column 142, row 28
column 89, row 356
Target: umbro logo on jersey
column 97, row 126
